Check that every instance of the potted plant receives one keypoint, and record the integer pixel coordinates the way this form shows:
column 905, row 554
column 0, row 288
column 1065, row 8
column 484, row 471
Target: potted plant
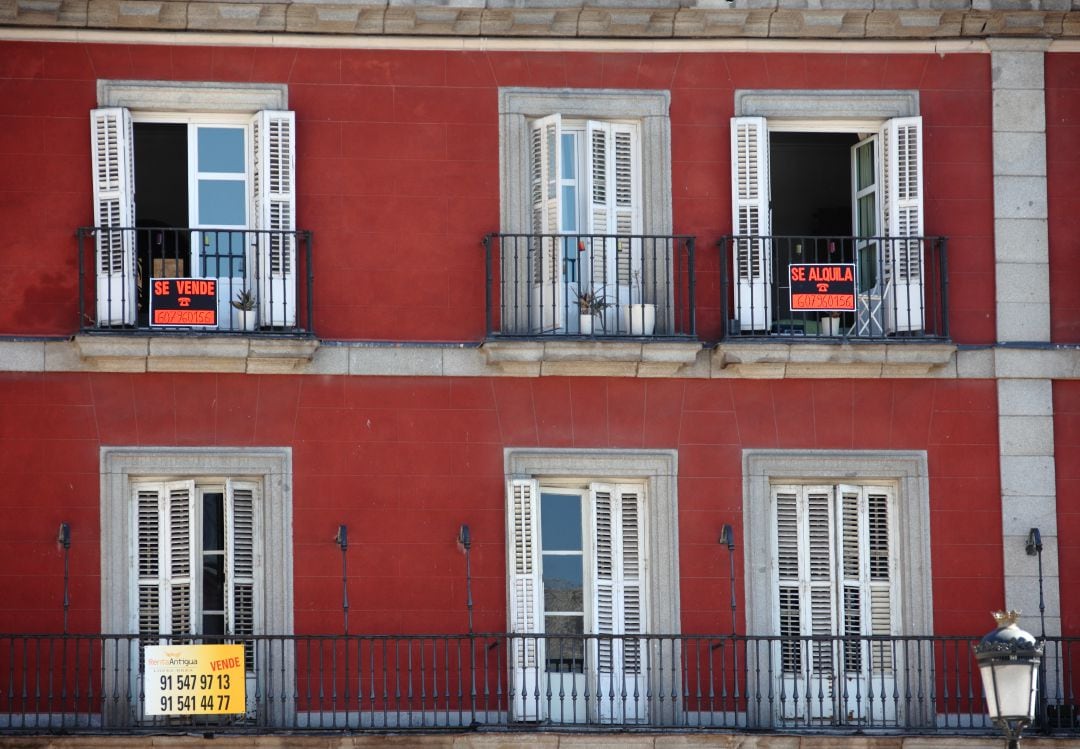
column 245, row 306
column 590, row 304
column 642, row 315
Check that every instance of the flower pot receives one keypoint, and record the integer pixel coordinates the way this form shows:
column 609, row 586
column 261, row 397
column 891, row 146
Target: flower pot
column 830, row 326
column 245, row 320
column 585, row 324
column 642, row 319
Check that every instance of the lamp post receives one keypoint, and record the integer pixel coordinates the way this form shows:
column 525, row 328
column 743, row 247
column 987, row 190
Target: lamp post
column 1008, row 661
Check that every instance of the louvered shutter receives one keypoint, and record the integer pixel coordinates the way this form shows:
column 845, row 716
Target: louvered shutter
column 752, row 255
column 820, row 566
column 902, row 202
column 113, row 168
column 805, row 600
column 166, row 558
column 526, row 609
column 180, row 564
column 545, row 256
column 149, row 507
column 618, row 606
column 614, row 196
column 241, row 550
column 274, row 207
column 789, row 599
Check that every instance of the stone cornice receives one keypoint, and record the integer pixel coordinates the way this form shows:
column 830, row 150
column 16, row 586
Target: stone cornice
column 565, row 19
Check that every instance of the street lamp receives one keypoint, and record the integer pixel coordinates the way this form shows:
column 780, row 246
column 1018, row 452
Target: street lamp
column 1008, row 660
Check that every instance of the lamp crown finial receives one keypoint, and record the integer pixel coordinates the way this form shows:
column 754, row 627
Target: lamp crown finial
column 1006, row 618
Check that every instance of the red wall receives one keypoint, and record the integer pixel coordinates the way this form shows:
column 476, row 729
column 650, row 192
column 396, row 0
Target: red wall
column 405, row 461
column 398, row 166
column 1067, row 464
column 1063, row 192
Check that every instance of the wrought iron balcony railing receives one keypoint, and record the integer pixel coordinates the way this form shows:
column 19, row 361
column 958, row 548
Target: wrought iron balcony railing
column 866, row 685
column 835, row 288
column 259, row 280
column 589, row 286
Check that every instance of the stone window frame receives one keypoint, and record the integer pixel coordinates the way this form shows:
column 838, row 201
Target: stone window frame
column 650, row 108
column 907, row 470
column 658, row 471
column 121, row 467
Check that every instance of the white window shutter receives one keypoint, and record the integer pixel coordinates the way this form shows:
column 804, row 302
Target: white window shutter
column 618, row 602
column 789, row 602
column 614, row 189
column 902, row 181
column 752, row 257
column 526, row 604
column 150, row 516
column 114, row 211
column 548, row 294
column 274, row 206
column 180, row 564
column 241, row 559
column 817, row 556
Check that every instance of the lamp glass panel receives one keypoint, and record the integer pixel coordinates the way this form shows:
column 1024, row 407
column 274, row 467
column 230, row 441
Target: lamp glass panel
column 1012, row 693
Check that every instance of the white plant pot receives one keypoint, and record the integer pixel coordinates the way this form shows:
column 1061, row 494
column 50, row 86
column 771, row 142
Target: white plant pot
column 830, row 326
column 585, row 324
column 245, row 320
column 642, row 319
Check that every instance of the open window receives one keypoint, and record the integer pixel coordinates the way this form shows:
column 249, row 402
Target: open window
column 592, row 563
column 586, row 245
column 838, row 192
column 195, row 194
column 586, row 209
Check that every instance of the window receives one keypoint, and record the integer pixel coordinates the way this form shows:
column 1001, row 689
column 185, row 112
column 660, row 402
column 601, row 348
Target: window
column 198, row 542
column 197, row 571
column 193, row 182
column 835, row 575
column 587, row 188
column 585, row 556
column 838, row 545
column 828, row 177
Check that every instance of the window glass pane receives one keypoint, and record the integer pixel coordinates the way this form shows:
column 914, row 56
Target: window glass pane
column 213, row 582
column 560, row 522
column 565, row 646
column 569, row 205
column 213, row 624
column 867, row 267
column 223, row 254
column 563, row 583
column 221, row 149
column 867, row 224
column 569, row 159
column 213, row 521
column 221, row 202
column 864, row 159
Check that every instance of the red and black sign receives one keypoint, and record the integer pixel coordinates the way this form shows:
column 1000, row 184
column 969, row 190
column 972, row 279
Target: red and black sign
column 183, row 301
column 822, row 287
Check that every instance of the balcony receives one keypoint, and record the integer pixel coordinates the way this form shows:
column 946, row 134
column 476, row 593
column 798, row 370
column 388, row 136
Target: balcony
column 861, row 289
column 261, row 281
column 872, row 685
column 589, row 286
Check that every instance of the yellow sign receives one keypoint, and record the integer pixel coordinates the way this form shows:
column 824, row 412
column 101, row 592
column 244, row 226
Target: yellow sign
column 195, row 679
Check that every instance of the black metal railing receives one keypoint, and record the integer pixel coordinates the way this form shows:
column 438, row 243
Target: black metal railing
column 589, row 286
column 262, row 280
column 835, row 288
column 923, row 685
